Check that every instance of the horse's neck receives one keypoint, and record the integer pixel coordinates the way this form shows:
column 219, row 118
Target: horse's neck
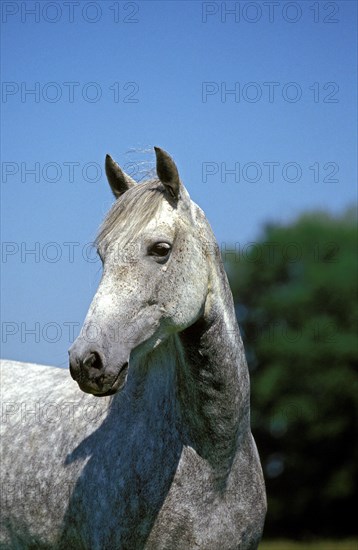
column 144, row 415
column 150, row 390
column 213, row 385
column 193, row 389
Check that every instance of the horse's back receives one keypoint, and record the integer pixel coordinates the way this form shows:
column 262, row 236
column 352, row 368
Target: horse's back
column 19, row 379
column 44, row 418
column 34, row 399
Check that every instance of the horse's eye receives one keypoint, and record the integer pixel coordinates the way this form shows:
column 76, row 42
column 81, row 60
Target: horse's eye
column 160, row 250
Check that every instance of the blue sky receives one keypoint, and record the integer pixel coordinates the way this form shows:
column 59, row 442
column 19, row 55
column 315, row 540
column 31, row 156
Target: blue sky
column 122, row 76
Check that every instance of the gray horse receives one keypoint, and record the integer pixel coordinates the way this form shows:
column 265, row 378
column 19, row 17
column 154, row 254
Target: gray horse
column 165, row 460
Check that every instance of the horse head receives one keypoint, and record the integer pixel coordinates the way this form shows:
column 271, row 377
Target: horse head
column 155, row 276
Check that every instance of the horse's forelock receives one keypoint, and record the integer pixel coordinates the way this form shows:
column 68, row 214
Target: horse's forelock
column 133, row 211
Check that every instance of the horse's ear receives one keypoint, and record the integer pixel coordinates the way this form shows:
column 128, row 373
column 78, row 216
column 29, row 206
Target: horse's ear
column 167, row 172
column 118, row 180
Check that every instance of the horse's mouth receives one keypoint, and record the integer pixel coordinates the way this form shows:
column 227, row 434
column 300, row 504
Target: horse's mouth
column 118, row 382
column 95, row 386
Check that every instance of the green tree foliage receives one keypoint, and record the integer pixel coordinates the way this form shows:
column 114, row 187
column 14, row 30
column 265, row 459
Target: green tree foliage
column 296, row 303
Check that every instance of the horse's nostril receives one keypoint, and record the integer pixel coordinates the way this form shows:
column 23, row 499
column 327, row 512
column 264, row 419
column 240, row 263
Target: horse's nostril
column 93, row 360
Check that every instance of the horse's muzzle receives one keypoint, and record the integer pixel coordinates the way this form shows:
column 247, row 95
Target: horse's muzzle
column 88, row 370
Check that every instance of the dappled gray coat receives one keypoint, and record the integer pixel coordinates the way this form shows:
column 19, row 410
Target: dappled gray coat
column 156, row 452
